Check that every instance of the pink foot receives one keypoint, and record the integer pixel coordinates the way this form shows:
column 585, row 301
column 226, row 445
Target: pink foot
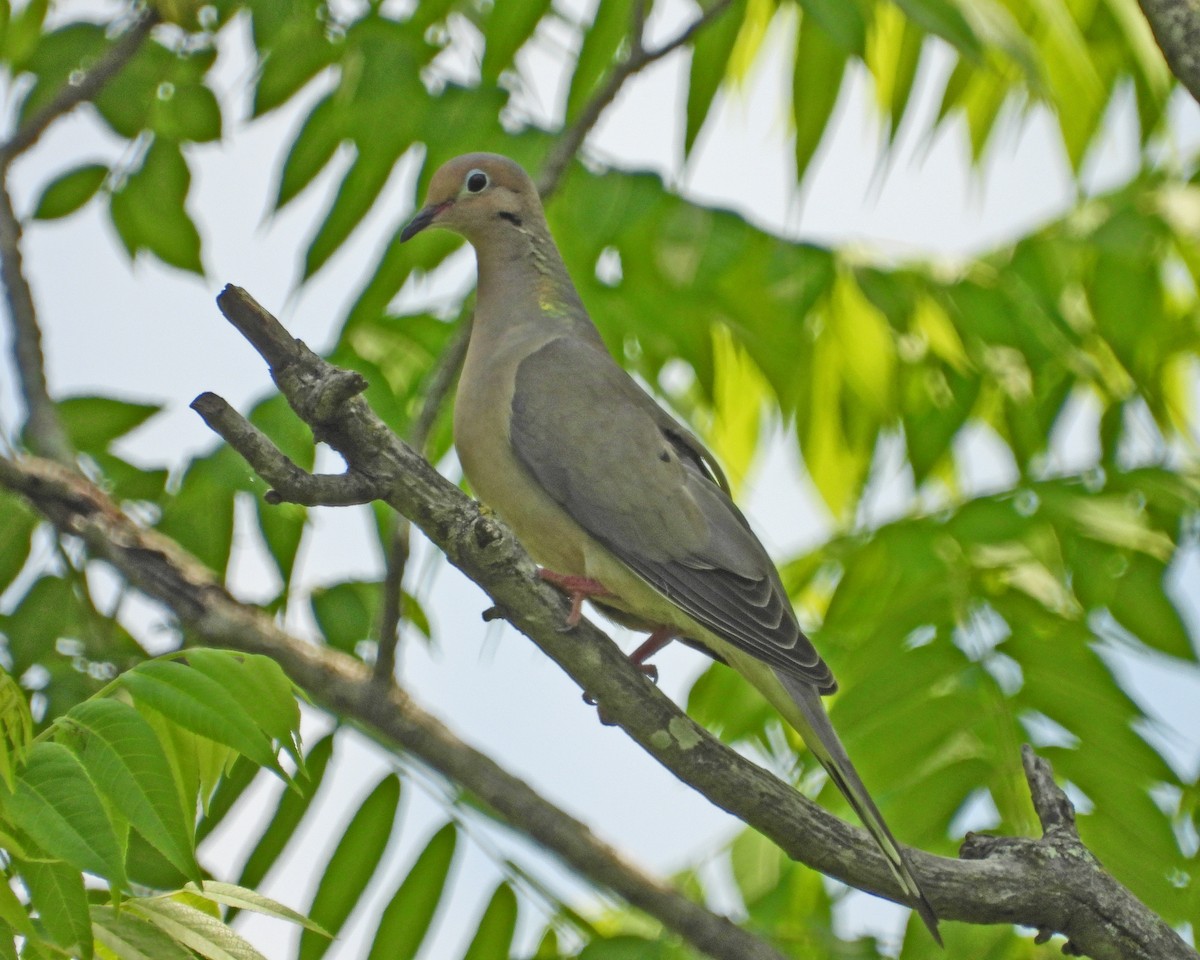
column 577, row 588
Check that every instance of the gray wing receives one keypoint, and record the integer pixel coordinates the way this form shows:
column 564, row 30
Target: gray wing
column 653, row 495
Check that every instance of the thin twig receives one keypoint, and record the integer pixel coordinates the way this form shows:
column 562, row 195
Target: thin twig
column 637, row 60
column 440, row 382
column 44, row 431
column 81, row 90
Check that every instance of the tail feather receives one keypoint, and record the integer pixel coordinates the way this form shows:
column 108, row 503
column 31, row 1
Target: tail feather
column 823, row 741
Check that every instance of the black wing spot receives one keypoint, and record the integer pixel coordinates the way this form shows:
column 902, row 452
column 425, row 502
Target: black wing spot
column 664, row 457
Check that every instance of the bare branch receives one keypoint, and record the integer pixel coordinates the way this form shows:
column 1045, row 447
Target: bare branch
column 289, row 483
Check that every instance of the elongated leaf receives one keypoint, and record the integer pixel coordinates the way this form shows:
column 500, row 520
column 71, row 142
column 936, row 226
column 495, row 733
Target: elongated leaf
column 232, row 895
column 816, row 80
column 57, row 805
column 56, row 893
column 200, row 704
column 597, row 52
column 16, row 727
column 70, row 191
column 320, row 134
column 194, row 928
column 12, row 912
column 507, row 29
column 710, row 61
column 229, row 790
column 494, row 935
column 843, row 20
column 406, row 919
column 352, row 865
column 293, row 804
column 126, row 761
column 131, row 937
column 945, row 19
column 259, row 683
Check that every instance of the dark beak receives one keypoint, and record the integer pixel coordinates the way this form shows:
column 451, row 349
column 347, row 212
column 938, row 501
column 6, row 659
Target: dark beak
column 423, row 219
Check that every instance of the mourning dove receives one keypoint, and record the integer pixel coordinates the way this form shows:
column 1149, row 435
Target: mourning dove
column 619, row 503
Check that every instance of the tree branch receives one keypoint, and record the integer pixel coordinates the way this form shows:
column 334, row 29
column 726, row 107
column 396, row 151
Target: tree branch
column 1030, row 882
column 345, row 686
column 81, row 90
column 43, row 428
column 635, row 61
column 1176, row 27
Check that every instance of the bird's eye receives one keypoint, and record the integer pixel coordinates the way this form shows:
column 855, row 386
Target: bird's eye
column 476, row 181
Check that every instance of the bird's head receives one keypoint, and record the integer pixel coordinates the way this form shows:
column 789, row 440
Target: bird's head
column 473, row 194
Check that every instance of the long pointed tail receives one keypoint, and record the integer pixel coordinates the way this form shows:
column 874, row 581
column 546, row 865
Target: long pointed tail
column 823, row 741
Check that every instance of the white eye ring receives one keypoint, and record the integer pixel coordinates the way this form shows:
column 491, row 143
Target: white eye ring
column 476, row 181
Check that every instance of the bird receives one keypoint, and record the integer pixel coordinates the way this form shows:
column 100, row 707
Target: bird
column 618, row 503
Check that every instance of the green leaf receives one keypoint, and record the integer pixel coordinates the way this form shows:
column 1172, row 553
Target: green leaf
column 322, row 132
column 508, row 26
column 710, row 61
column 190, row 113
column 816, row 80
column 352, row 865
column 356, row 194
column 126, row 761
column 201, row 705
column 17, row 523
column 260, row 684
column 494, row 935
column 69, row 191
column 297, row 53
column 23, row 31
column 193, row 928
column 229, row 790
column 131, row 937
column 232, row 895
column 408, row 915
column 946, row 20
column 16, row 727
column 200, row 516
column 290, row 810
column 93, row 423
column 149, row 210
column 347, row 612
column 56, row 893
column 57, row 805
column 845, row 21
column 601, row 41
column 13, row 913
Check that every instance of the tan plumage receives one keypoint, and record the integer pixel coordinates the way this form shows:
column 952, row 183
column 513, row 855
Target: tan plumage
column 599, row 482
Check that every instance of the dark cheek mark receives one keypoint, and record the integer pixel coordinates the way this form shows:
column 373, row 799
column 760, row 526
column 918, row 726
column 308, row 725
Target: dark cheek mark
column 510, row 217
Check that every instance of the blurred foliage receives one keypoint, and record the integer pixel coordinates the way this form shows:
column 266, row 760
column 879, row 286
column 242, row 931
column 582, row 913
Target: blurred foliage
column 973, row 622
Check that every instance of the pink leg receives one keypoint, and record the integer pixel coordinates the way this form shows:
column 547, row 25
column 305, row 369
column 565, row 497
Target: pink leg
column 652, row 644
column 577, row 588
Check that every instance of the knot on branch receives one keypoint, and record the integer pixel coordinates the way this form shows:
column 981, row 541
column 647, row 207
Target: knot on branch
column 486, row 531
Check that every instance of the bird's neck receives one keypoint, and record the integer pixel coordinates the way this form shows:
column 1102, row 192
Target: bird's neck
column 521, row 269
